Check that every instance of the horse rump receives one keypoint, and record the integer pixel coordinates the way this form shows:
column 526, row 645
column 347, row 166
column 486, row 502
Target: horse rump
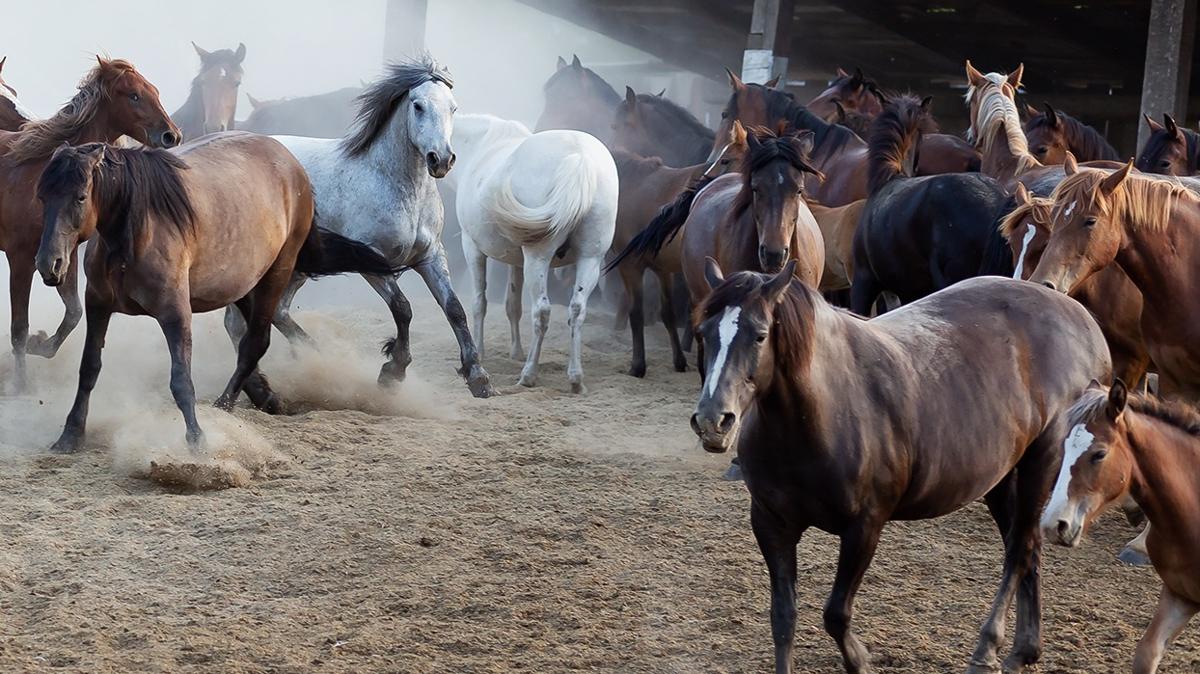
column 326, row 253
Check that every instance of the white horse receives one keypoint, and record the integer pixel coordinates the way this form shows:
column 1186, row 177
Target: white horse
column 377, row 186
column 533, row 200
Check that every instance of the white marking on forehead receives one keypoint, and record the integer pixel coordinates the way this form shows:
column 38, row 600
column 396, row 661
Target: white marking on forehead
column 726, row 331
column 1070, row 208
column 1030, row 232
column 781, row 178
column 1077, row 443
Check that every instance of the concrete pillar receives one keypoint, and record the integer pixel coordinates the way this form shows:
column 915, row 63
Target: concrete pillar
column 769, row 42
column 1168, row 61
column 404, row 30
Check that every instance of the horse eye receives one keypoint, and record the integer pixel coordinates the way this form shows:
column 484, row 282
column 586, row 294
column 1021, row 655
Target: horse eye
column 419, row 108
column 724, row 115
column 1089, row 223
column 1164, row 164
column 762, row 337
column 81, row 198
column 1040, row 150
column 1099, row 456
column 135, row 98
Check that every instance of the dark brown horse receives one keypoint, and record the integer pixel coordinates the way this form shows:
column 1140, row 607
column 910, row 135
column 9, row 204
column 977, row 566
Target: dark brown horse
column 843, row 425
column 113, row 100
column 1122, row 444
column 1170, row 150
column 848, row 94
column 1150, row 227
column 175, row 237
column 577, row 98
column 654, row 126
column 647, row 185
column 1051, row 134
column 12, row 113
column 212, row 101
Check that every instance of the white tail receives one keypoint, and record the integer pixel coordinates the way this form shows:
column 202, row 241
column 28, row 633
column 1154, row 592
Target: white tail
column 572, row 195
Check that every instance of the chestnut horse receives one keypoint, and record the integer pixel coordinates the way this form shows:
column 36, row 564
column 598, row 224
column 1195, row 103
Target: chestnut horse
column 843, row 425
column 212, row 102
column 178, row 238
column 1170, row 150
column 12, row 113
column 113, row 100
column 996, row 125
column 1051, row 134
column 646, row 186
column 1149, row 449
column 654, row 126
column 1150, row 227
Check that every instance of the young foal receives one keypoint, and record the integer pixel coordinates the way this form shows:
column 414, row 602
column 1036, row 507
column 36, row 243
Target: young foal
column 212, row 102
column 1121, row 444
column 843, row 424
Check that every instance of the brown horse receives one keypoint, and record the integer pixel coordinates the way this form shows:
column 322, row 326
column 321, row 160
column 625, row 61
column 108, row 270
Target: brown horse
column 577, row 98
column 12, row 113
column 113, row 100
column 847, row 94
column 1151, row 228
column 177, row 236
column 1051, row 134
column 843, row 425
column 996, row 125
column 1149, row 449
column 212, row 102
column 1111, row 297
column 838, row 226
column 654, row 126
column 1170, row 150
column 647, row 185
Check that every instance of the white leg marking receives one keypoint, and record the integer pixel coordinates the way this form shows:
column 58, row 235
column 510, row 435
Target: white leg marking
column 1030, row 232
column 725, row 332
column 1078, row 441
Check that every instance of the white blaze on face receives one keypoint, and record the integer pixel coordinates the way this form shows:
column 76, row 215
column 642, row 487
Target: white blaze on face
column 1030, row 232
column 1070, row 209
column 726, row 331
column 1077, row 443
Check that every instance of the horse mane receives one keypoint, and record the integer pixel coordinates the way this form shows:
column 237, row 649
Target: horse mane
column 132, row 186
column 998, row 112
column 39, row 138
column 828, row 139
column 379, row 101
column 794, row 315
column 673, row 114
column 1140, row 198
column 894, row 134
column 1038, row 210
column 772, row 145
column 597, row 83
column 1093, row 402
column 1084, row 142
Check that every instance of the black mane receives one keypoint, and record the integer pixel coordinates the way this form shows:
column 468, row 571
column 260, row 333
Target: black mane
column 378, row 101
column 828, row 139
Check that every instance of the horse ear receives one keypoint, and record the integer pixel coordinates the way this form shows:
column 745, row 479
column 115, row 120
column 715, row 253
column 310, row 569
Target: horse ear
column 1051, row 114
column 778, row 285
column 1118, row 395
column 735, row 81
column 842, row 73
column 200, row 52
column 1021, row 195
column 712, row 273
column 662, row 93
column 753, row 142
column 630, row 96
column 254, row 102
column 1114, row 179
column 562, row 63
column 841, row 112
column 95, row 154
column 737, row 133
column 1154, row 126
column 1171, row 126
column 1070, row 166
column 773, row 82
column 859, row 77
column 575, row 62
column 2, row 60
column 240, row 54
column 925, row 102
column 1014, row 78
column 974, row 77
column 807, row 141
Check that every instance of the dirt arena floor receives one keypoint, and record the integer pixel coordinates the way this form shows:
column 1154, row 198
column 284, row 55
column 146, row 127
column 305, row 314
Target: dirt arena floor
column 424, row 531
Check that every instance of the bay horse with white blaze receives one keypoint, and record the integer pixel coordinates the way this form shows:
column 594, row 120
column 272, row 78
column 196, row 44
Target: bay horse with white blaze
column 843, row 425
column 211, row 104
column 224, row 220
column 1121, row 444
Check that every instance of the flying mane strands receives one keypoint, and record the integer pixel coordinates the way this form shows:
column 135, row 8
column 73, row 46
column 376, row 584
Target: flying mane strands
column 380, row 100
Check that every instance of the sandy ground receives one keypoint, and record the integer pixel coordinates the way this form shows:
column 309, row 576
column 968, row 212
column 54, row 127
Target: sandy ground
column 421, row 530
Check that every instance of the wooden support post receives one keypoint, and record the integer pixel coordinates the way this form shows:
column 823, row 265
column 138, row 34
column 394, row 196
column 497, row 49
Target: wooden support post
column 769, row 42
column 404, row 30
column 1168, row 71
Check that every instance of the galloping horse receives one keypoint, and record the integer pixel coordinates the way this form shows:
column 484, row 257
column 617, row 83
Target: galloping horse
column 843, row 425
column 996, row 125
column 377, row 186
column 1151, row 228
column 918, row 235
column 1052, row 134
column 177, row 236
column 1149, row 449
column 212, row 102
column 646, row 186
column 532, row 200
column 328, row 115
column 1170, row 150
column 113, row 100
column 12, row 113
column 653, row 126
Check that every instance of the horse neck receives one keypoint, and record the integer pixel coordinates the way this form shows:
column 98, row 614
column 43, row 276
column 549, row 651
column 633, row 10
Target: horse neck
column 1165, row 474
column 1086, row 143
column 1149, row 259
column 809, row 380
column 393, row 155
column 1000, row 161
column 190, row 116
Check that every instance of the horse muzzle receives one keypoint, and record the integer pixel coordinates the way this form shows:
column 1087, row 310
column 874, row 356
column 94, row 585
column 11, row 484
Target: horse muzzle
column 771, row 261
column 717, row 432
column 167, row 138
column 1064, row 531
column 439, row 165
column 52, row 270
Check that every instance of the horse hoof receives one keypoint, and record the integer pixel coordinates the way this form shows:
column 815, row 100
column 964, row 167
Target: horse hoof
column 195, row 441
column 733, row 473
column 480, row 383
column 577, row 387
column 39, row 345
column 681, row 365
column 66, row 444
column 638, row 371
column 527, row 380
column 273, row 405
column 391, row 374
column 1134, row 557
column 517, row 354
column 224, row 403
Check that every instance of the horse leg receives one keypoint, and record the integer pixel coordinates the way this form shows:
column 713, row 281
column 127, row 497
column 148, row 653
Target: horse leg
column 623, row 306
column 68, row 291
column 1134, row 553
column 259, row 310
column 89, row 371
column 257, row 388
column 436, row 275
column 631, row 278
column 683, row 307
column 512, row 309
column 397, row 350
column 537, row 271
column 863, row 291
column 283, row 314
column 587, row 274
column 477, row 263
column 668, row 314
column 176, row 324
column 854, row 556
column 778, row 546
column 1171, row 616
column 20, row 282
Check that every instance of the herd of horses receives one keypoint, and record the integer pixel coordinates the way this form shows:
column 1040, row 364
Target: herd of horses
column 889, row 322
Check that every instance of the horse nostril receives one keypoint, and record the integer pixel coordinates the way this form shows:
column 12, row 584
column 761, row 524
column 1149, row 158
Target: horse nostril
column 695, row 424
column 1063, row 527
column 1049, row 284
column 727, row 421
column 431, row 159
column 453, row 158
column 170, row 138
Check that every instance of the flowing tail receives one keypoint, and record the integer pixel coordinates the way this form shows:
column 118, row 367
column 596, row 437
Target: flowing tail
column 574, row 190
column 663, row 227
column 325, row 254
